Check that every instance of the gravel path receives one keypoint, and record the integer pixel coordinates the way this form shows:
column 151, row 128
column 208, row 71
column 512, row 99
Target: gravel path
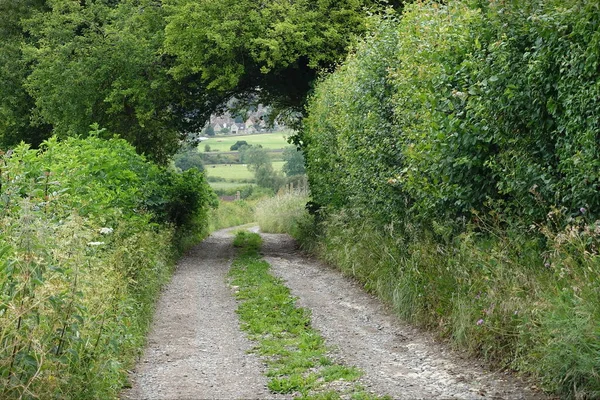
column 196, row 350
column 397, row 359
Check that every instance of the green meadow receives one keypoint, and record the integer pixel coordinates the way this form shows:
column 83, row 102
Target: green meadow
column 235, row 172
column 270, row 141
column 228, row 185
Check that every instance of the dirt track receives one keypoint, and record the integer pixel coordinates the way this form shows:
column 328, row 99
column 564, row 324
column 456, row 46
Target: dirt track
column 197, row 351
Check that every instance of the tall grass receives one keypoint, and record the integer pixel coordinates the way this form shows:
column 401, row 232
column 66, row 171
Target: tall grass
column 229, row 214
column 528, row 302
column 283, row 213
column 76, row 303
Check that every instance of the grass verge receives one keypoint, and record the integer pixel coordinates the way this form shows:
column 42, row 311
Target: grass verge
column 295, row 353
column 509, row 298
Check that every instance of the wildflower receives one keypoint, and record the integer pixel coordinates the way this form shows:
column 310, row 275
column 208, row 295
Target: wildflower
column 106, row 231
column 547, row 265
column 95, row 243
column 582, row 210
column 480, row 322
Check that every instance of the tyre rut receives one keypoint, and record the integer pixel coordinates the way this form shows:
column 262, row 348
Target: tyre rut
column 195, row 349
column 397, row 359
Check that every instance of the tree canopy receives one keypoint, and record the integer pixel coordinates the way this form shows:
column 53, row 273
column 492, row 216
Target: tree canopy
column 101, row 62
column 152, row 71
column 16, row 123
column 270, row 49
column 294, row 161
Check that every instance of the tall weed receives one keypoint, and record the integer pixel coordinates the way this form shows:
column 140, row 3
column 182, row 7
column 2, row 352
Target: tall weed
column 227, row 214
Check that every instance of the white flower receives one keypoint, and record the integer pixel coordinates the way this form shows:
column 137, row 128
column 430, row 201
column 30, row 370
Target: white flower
column 95, row 243
column 106, row 231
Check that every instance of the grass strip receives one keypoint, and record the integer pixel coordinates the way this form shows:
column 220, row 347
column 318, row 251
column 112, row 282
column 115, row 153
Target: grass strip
column 295, row 353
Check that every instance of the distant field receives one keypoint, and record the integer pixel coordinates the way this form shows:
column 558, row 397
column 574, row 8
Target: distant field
column 228, row 185
column 233, row 172
column 271, row 141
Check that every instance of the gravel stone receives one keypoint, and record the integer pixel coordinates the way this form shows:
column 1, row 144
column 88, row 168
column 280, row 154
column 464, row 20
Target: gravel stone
column 397, row 359
column 196, row 349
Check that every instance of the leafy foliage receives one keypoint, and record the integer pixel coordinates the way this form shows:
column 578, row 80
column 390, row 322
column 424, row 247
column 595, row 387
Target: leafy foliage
column 294, row 161
column 259, row 162
column 351, row 144
column 457, row 108
column 237, row 145
column 454, row 158
column 270, row 51
column 100, row 62
column 541, row 101
column 16, row 123
column 153, row 73
column 89, row 230
column 209, row 131
column 188, row 159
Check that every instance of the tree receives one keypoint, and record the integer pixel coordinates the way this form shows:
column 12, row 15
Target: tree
column 209, row 131
column 259, row 162
column 266, row 177
column 150, row 71
column 16, row 124
column 237, row 145
column 269, row 51
column 294, row 161
column 188, row 159
column 255, row 156
column 100, row 61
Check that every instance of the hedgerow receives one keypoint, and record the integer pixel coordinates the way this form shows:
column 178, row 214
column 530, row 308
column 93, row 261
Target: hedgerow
column 454, row 160
column 464, row 107
column 89, row 231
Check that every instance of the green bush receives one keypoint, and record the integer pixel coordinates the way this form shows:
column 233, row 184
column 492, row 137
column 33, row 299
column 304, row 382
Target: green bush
column 453, row 160
column 462, row 107
column 89, row 231
column 188, row 159
column 237, row 145
column 294, row 162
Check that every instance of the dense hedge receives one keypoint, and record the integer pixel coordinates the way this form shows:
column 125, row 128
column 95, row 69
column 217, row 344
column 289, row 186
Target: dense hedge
column 88, row 234
column 455, row 156
column 462, row 107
